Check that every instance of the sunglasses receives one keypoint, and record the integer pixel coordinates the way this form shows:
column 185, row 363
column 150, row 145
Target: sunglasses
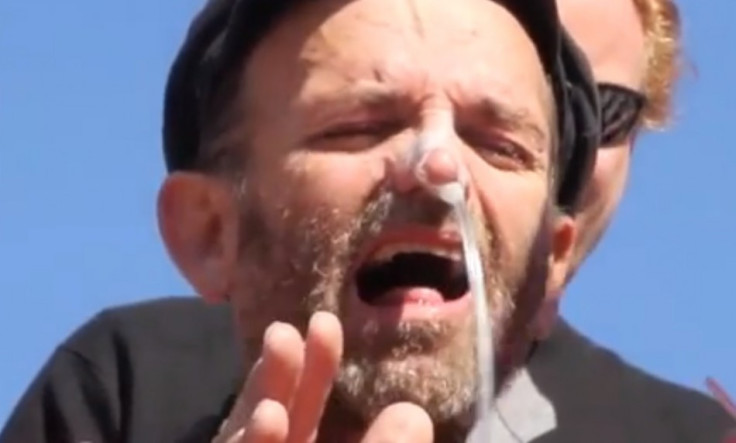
column 621, row 110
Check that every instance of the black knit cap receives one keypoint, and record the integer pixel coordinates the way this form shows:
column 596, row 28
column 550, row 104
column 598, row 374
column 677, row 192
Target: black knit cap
column 225, row 32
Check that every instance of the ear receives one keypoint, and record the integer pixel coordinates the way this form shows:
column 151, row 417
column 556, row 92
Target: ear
column 559, row 265
column 197, row 218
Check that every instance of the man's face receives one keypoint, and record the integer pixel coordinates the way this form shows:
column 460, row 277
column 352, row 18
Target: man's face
column 331, row 218
column 611, row 35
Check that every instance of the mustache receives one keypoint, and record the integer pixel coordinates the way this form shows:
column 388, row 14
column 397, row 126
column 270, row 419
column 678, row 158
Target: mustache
column 385, row 209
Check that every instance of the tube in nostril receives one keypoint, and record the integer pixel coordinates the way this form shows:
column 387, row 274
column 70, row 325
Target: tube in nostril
column 445, row 177
column 437, row 169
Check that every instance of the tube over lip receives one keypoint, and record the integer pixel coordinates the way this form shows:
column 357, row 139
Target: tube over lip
column 441, row 172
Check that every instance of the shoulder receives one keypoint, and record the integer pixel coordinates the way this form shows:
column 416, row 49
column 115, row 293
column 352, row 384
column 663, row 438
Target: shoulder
column 152, row 334
column 169, row 321
column 175, row 354
column 167, row 314
column 584, row 376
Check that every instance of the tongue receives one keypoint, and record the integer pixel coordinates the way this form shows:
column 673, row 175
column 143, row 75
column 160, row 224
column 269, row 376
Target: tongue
column 408, row 296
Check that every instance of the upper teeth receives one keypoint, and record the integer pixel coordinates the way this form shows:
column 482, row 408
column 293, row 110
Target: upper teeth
column 387, row 252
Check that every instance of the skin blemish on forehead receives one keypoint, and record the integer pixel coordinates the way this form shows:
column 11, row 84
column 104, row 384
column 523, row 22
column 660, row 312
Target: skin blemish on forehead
column 418, row 23
column 407, row 24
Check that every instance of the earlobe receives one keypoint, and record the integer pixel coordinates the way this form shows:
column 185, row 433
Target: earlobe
column 198, row 222
column 563, row 246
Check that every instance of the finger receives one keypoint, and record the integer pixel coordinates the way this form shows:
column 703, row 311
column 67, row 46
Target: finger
column 322, row 360
column 721, row 396
column 401, row 422
column 274, row 376
column 241, row 410
column 269, row 424
column 283, row 360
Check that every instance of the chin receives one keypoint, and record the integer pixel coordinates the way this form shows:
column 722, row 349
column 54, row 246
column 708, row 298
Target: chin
column 443, row 390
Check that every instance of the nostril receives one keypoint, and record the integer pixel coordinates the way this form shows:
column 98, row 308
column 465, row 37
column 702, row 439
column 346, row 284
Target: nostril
column 429, row 165
column 441, row 174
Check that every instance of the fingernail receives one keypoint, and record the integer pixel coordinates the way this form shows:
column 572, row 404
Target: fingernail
column 270, row 330
column 316, row 317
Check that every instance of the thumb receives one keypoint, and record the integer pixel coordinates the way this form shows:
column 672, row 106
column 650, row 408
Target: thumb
column 401, row 422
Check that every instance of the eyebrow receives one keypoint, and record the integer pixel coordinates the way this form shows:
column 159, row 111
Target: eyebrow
column 368, row 98
column 498, row 114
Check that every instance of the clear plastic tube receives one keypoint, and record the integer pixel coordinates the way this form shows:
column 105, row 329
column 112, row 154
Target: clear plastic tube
column 483, row 321
column 453, row 193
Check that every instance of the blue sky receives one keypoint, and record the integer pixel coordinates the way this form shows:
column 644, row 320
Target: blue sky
column 80, row 111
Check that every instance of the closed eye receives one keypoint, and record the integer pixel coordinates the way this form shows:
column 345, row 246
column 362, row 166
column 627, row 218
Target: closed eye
column 500, row 152
column 354, row 130
column 355, row 135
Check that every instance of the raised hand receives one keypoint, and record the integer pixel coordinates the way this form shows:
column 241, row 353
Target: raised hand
column 285, row 394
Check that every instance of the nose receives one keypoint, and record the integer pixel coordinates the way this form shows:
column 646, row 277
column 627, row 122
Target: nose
column 432, row 165
column 437, row 167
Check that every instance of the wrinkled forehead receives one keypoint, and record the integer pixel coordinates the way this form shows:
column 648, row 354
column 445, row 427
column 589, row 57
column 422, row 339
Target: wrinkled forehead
column 433, row 22
column 611, row 35
column 463, row 47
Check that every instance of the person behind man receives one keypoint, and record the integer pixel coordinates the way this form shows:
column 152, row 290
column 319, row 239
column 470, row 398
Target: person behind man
column 591, row 388
column 289, row 195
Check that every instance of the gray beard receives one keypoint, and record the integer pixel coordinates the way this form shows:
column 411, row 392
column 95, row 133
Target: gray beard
column 430, row 364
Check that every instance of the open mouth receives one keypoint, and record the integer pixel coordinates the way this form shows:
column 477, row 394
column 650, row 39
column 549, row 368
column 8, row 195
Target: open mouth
column 396, row 267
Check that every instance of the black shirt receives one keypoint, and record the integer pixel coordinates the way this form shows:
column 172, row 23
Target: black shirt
column 168, row 370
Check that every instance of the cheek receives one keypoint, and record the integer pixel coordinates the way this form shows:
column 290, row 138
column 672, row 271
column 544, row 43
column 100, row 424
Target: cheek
column 334, row 181
column 512, row 204
column 602, row 197
column 608, row 181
